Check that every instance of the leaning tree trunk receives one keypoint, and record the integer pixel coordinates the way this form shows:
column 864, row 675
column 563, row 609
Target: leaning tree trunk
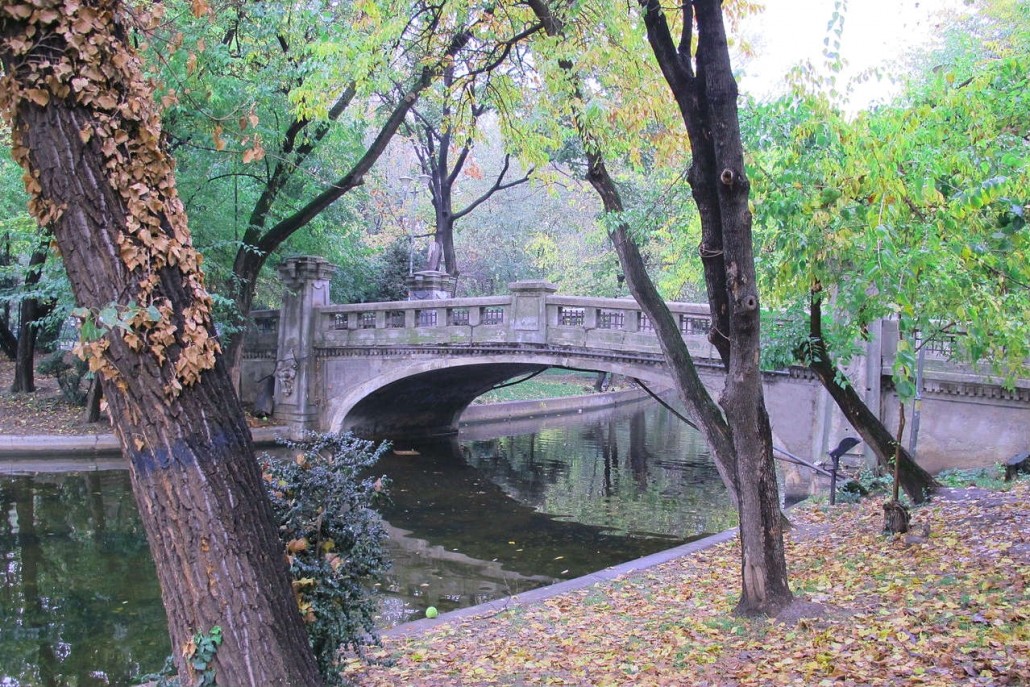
column 917, row 482
column 86, row 131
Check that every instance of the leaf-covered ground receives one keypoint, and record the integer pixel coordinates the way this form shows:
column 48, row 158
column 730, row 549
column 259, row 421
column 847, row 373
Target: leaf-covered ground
column 950, row 609
column 44, row 411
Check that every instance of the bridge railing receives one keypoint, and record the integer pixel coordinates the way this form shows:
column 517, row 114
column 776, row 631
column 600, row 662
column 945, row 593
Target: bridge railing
column 262, row 337
column 568, row 321
column 455, row 320
column 598, row 322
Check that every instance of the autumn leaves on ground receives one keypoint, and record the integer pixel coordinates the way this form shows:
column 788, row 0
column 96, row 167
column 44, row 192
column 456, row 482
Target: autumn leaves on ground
column 950, row 608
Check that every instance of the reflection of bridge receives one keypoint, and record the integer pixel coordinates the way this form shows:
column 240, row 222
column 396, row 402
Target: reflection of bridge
column 412, row 367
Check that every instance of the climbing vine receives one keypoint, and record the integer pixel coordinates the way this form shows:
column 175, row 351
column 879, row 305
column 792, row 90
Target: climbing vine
column 75, row 51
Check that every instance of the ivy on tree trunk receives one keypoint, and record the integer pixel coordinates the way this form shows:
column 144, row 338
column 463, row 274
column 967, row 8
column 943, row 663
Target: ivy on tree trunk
column 86, row 130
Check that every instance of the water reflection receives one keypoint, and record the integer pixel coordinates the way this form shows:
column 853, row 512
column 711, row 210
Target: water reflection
column 487, row 517
column 80, row 603
column 474, row 518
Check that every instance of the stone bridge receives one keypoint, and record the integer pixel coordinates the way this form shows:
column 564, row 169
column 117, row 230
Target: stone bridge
column 410, row 368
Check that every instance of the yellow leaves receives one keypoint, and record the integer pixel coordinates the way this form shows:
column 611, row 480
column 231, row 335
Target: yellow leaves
column 952, row 612
column 38, row 96
column 216, row 136
column 297, row 545
column 18, row 10
column 255, row 152
column 200, row 8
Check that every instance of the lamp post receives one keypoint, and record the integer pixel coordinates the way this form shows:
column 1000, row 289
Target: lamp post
column 410, row 215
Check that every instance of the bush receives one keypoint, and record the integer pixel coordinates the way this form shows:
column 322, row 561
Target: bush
column 333, row 537
column 69, row 370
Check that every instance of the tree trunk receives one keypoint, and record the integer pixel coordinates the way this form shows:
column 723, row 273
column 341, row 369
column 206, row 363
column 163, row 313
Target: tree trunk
column 741, row 443
column 917, row 482
column 707, row 101
column 29, row 311
column 764, row 564
column 8, row 341
column 93, row 397
column 85, row 128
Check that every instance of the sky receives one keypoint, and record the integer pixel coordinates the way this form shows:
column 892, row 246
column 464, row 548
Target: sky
column 877, row 33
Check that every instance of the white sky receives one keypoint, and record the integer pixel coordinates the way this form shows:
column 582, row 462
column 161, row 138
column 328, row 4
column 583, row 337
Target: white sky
column 877, row 33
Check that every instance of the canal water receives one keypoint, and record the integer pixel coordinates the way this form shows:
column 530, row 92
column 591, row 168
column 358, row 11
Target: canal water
column 475, row 518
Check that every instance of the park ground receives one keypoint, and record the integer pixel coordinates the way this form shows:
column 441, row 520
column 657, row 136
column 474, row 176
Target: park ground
column 946, row 608
column 950, row 607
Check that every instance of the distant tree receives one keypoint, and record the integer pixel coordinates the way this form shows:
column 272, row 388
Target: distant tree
column 443, row 141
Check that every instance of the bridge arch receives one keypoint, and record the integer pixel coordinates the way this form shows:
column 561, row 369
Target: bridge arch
column 427, row 395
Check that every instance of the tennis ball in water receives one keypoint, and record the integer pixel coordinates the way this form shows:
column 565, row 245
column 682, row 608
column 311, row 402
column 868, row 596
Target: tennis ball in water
column 431, row 612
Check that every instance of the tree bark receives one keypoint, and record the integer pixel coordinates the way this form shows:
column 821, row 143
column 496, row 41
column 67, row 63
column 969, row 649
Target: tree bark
column 764, row 565
column 8, row 341
column 30, row 311
column 917, row 482
column 707, row 99
column 94, row 395
column 85, row 129
column 741, row 442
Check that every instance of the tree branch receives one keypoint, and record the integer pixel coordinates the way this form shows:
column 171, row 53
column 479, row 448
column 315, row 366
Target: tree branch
column 497, row 186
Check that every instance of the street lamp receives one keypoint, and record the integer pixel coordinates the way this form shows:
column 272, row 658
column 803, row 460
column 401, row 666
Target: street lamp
column 411, row 214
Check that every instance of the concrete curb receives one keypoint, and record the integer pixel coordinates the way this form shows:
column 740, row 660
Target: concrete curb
column 417, row 627
column 566, row 405
column 35, row 446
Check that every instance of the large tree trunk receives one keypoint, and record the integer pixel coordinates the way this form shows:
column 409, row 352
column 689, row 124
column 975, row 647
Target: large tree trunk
column 741, row 443
column 917, row 482
column 30, row 310
column 764, row 565
column 86, row 131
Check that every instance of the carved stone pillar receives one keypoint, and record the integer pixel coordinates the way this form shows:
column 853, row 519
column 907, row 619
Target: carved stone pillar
column 528, row 318
column 306, row 281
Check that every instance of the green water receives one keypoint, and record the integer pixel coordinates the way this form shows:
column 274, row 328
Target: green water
column 79, row 604
column 486, row 517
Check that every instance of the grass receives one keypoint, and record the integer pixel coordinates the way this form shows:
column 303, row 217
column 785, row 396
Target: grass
column 988, row 478
column 549, row 384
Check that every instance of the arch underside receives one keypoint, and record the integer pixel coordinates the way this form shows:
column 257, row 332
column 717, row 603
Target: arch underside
column 428, row 403
column 426, row 395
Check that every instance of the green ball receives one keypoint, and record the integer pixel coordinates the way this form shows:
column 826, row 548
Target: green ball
column 431, row 612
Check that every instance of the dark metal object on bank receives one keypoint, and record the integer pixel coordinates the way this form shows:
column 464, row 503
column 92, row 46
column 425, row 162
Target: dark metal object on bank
column 1017, row 464
column 845, row 445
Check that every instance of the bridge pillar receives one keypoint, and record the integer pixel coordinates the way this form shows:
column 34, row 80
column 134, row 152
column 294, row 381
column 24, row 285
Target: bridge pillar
column 306, row 279
column 529, row 310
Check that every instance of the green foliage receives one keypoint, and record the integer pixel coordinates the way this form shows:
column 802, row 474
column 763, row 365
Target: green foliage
column 390, row 270
column 914, row 212
column 200, row 653
column 324, row 508
column 550, row 384
column 992, row 478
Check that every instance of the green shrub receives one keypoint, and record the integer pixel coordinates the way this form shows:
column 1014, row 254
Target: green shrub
column 989, row 478
column 334, row 539
column 69, row 370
